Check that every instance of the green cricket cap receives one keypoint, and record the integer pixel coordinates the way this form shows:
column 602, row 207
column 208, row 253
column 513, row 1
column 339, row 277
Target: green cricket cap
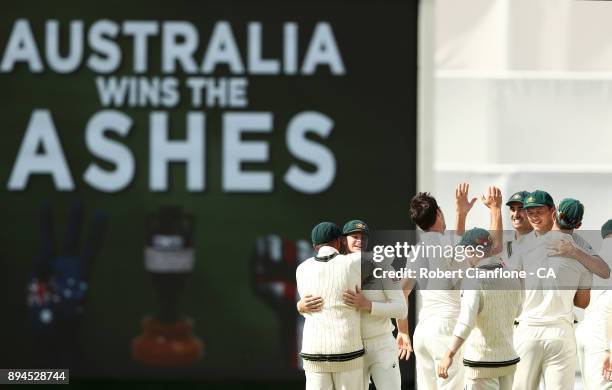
column 606, row 228
column 475, row 237
column 324, row 232
column 517, row 197
column 538, row 198
column 570, row 213
column 355, row 225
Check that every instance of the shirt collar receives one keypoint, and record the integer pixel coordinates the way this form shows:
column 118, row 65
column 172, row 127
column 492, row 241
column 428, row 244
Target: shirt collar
column 326, row 251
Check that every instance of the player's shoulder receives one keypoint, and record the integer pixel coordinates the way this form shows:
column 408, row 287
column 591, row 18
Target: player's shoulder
column 351, row 258
column 532, row 241
column 559, row 235
column 430, row 238
column 581, row 243
column 531, row 238
column 304, row 264
column 378, row 259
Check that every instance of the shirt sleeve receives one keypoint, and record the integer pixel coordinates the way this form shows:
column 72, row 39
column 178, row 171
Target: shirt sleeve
column 589, row 250
column 395, row 305
column 470, row 306
column 298, row 277
column 582, row 244
column 355, row 261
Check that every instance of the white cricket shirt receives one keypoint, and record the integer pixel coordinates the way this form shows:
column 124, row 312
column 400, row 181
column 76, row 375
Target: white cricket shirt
column 550, row 300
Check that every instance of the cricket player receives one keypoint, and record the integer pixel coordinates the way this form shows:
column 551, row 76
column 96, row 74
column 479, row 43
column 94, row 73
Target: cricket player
column 378, row 301
column 572, row 246
column 441, row 298
column 594, row 334
column 332, row 347
column 523, row 232
column 544, row 338
column 520, row 224
column 605, row 328
column 488, row 309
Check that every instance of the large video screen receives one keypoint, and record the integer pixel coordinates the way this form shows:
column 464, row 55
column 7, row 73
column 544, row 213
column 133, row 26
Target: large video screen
column 163, row 163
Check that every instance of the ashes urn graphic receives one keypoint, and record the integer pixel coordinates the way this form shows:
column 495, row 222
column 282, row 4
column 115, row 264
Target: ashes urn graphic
column 167, row 338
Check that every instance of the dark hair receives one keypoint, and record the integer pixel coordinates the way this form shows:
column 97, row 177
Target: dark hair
column 423, row 210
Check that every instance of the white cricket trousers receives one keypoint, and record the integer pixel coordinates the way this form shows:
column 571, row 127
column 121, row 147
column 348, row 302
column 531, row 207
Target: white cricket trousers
column 590, row 362
column 499, row 383
column 343, row 380
column 547, row 351
column 432, row 337
column 381, row 362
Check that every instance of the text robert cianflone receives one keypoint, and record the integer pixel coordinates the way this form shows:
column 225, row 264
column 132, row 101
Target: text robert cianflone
column 412, row 252
column 469, row 273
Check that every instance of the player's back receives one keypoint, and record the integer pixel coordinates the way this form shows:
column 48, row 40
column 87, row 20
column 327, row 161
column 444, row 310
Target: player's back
column 336, row 328
column 551, row 283
column 440, row 297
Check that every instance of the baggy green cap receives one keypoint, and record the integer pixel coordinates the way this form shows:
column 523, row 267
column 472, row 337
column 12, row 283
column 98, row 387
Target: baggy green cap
column 324, row 232
column 517, row 197
column 475, row 237
column 606, row 228
column 355, row 225
column 538, row 198
column 570, row 213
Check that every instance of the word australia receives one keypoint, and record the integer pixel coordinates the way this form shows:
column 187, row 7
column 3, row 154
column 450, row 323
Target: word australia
column 103, row 45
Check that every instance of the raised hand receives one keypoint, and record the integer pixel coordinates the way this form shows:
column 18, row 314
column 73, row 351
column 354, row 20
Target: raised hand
column 59, row 281
column 493, row 198
column 561, row 247
column 461, row 199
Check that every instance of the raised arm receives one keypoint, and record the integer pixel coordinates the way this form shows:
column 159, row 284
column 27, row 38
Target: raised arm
column 395, row 305
column 463, row 207
column 493, row 200
column 593, row 263
column 565, row 247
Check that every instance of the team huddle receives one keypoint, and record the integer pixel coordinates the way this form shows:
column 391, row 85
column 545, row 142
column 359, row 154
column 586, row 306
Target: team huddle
column 498, row 333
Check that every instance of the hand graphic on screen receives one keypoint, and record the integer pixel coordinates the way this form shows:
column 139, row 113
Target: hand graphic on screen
column 60, row 279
